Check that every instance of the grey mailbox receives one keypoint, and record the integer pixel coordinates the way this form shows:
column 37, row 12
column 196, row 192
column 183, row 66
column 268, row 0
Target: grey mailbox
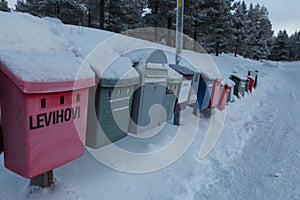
column 231, row 84
column 150, row 92
column 240, row 84
column 113, row 98
column 173, row 82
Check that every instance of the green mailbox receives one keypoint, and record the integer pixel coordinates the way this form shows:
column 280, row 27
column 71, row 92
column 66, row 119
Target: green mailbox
column 112, row 98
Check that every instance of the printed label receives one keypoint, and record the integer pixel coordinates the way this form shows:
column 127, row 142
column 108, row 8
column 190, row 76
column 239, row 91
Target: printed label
column 184, row 91
column 54, row 117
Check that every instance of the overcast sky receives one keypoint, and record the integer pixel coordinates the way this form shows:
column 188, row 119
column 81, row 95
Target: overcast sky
column 284, row 14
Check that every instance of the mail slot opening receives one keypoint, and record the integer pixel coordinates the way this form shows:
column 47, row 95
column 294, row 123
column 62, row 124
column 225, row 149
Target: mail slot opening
column 77, row 97
column 43, row 103
column 62, row 100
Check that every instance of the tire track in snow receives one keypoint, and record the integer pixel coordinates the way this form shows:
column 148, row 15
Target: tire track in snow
column 268, row 167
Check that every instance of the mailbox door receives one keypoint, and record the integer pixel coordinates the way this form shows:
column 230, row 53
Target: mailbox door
column 154, row 95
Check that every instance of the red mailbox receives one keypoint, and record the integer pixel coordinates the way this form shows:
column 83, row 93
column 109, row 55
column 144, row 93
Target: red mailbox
column 251, row 83
column 44, row 122
column 215, row 93
column 223, row 96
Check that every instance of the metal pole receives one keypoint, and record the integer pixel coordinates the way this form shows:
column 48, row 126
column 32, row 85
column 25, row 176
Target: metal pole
column 44, row 180
column 179, row 40
column 179, row 28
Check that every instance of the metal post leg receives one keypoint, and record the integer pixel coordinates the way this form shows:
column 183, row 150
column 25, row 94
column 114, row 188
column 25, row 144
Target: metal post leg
column 44, row 180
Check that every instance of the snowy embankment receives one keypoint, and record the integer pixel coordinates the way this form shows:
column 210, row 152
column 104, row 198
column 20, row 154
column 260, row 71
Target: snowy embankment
column 233, row 170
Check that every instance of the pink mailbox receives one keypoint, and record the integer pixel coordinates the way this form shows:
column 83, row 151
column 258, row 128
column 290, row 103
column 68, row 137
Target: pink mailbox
column 43, row 121
column 214, row 98
column 223, row 96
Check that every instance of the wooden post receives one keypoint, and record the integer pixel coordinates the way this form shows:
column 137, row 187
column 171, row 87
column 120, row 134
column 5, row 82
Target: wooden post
column 44, row 180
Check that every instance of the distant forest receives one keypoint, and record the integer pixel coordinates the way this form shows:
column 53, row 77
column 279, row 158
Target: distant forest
column 217, row 25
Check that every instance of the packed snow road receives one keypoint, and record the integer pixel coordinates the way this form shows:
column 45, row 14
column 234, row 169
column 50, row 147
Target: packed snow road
column 268, row 167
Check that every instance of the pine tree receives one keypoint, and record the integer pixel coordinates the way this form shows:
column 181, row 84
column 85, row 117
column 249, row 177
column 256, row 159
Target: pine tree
column 98, row 13
column 4, row 6
column 124, row 14
column 294, row 44
column 216, row 25
column 193, row 18
column 68, row 11
column 240, row 22
column 28, row 6
column 160, row 11
column 259, row 31
column 280, row 50
column 73, row 12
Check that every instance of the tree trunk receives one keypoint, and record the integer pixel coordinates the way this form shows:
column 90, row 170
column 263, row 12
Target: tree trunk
column 102, row 14
column 57, row 9
column 169, row 39
column 236, row 50
column 156, row 21
column 195, row 35
column 89, row 18
column 217, row 48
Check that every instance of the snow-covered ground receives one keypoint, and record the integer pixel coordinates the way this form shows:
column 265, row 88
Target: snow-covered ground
column 256, row 157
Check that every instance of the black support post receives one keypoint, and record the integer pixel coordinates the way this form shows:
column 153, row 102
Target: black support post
column 44, row 180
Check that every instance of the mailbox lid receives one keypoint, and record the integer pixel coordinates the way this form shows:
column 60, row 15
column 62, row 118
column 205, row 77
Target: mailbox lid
column 187, row 73
column 120, row 73
column 152, row 73
column 239, row 77
column 173, row 76
column 45, row 72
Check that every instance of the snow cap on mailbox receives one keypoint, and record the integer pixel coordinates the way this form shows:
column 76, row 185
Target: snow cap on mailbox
column 119, row 72
column 39, row 59
column 44, row 95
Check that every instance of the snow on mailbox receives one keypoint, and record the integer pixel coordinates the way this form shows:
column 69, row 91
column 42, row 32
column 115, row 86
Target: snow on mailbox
column 44, row 109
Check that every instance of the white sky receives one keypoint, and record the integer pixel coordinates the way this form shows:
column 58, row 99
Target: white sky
column 284, row 14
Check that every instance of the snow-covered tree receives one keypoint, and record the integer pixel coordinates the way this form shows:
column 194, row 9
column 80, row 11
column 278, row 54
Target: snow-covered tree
column 259, row 31
column 97, row 13
column 193, row 18
column 160, row 11
column 68, row 11
column 294, row 44
column 216, row 25
column 4, row 6
column 280, row 49
column 240, row 22
column 28, row 6
column 124, row 14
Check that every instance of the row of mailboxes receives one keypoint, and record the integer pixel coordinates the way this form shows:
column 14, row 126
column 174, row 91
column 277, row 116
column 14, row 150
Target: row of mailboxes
column 243, row 83
column 54, row 121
